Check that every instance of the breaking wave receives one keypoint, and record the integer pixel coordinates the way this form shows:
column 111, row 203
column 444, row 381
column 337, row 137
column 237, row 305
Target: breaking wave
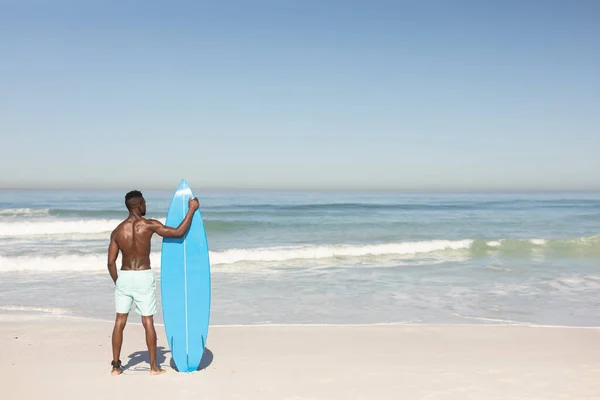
column 441, row 249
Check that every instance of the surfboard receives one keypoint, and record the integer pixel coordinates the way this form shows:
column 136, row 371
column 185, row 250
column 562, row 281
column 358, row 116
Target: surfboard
column 185, row 284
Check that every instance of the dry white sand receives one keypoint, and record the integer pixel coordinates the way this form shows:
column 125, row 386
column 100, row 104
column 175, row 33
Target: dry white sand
column 69, row 359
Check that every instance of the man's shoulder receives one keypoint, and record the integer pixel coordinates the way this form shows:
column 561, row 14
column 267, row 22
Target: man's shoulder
column 118, row 229
column 151, row 223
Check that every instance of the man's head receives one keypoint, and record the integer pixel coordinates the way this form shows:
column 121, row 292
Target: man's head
column 135, row 201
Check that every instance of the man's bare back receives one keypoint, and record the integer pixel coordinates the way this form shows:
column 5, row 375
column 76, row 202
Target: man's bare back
column 133, row 238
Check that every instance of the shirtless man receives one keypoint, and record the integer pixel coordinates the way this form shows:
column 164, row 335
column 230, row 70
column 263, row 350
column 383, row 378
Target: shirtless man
column 135, row 282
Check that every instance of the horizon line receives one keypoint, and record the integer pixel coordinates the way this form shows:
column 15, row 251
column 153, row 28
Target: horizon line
column 312, row 189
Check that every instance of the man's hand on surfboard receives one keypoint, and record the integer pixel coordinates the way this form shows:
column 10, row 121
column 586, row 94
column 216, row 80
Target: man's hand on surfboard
column 194, row 204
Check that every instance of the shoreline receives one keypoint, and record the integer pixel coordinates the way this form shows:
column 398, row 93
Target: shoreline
column 38, row 314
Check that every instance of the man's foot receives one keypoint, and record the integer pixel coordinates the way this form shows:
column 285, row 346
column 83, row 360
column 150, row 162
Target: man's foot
column 157, row 371
column 116, row 370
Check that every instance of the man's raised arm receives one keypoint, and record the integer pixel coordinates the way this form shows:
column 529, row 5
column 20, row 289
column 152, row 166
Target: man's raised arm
column 167, row 231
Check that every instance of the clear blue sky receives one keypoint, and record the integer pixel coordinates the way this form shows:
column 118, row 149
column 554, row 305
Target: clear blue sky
column 301, row 94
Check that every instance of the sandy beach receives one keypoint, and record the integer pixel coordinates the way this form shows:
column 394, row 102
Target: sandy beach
column 68, row 358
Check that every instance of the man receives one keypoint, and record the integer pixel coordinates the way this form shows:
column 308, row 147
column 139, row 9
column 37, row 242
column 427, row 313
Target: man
column 135, row 282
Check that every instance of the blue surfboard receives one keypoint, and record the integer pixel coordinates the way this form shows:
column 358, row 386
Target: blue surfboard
column 185, row 285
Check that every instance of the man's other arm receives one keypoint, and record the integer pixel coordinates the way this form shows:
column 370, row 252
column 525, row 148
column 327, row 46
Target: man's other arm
column 113, row 252
column 169, row 232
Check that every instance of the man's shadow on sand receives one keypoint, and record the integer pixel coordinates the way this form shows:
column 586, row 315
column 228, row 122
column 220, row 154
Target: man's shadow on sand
column 139, row 357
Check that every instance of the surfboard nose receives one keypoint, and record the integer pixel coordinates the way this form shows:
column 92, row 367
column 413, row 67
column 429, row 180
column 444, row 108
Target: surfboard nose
column 183, row 187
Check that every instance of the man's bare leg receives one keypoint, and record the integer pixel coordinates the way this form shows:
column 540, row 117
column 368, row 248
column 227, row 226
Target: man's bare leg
column 117, row 342
column 148, row 323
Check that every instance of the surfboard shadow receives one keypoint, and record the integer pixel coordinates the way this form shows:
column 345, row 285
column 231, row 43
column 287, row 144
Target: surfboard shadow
column 142, row 356
column 207, row 359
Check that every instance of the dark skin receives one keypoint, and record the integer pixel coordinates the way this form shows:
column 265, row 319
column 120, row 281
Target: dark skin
column 133, row 238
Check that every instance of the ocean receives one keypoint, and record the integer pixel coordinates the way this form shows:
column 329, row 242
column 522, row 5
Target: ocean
column 325, row 258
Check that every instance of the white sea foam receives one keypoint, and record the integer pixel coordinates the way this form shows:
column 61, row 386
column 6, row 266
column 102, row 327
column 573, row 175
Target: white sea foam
column 58, row 227
column 320, row 252
column 574, row 284
column 97, row 262
column 46, row 310
column 498, row 320
column 538, row 242
column 24, row 211
column 91, row 263
column 502, row 269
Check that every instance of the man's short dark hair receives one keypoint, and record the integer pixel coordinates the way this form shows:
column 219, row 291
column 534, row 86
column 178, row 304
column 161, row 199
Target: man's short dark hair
column 132, row 199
